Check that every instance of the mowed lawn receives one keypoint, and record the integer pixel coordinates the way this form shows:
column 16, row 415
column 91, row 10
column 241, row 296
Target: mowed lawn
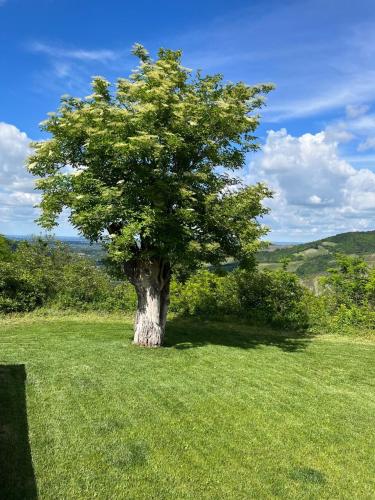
column 224, row 411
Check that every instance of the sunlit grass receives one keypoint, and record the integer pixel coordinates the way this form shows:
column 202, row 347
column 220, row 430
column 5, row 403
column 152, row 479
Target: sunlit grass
column 224, row 411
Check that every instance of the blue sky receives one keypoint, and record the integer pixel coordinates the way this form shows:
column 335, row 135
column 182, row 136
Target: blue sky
column 318, row 130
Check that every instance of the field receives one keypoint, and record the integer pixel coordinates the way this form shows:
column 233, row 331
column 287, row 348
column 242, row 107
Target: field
column 224, row 411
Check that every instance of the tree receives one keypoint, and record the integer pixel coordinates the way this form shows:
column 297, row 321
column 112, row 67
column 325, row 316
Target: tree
column 147, row 170
column 349, row 281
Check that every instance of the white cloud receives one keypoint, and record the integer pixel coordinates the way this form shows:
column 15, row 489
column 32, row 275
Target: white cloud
column 102, row 55
column 369, row 143
column 320, row 57
column 316, row 190
column 69, row 70
column 14, row 148
column 18, row 199
column 315, row 199
column 358, row 125
column 17, row 196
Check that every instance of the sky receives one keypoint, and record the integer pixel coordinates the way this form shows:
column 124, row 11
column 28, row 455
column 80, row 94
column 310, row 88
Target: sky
column 317, row 131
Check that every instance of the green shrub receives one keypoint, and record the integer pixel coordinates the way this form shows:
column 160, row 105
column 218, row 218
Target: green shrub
column 45, row 272
column 274, row 297
column 5, row 249
column 20, row 290
column 348, row 281
column 348, row 300
column 122, row 298
column 198, row 295
column 82, row 285
column 342, row 320
column 85, row 286
column 370, row 289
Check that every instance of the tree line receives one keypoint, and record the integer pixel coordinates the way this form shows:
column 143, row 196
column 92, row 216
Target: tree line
column 46, row 274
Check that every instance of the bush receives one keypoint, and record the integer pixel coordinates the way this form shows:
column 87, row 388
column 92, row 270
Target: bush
column 20, row 290
column 348, row 297
column 199, row 295
column 82, row 286
column 46, row 272
column 348, row 281
column 342, row 320
column 274, row 297
column 85, row 286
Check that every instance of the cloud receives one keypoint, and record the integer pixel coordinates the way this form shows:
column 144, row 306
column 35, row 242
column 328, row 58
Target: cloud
column 358, row 125
column 369, row 143
column 17, row 195
column 320, row 57
column 102, row 55
column 317, row 192
column 331, row 95
column 14, row 148
column 69, row 69
column 355, row 110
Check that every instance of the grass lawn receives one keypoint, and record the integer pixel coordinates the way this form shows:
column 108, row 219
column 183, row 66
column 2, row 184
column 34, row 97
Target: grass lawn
column 224, row 411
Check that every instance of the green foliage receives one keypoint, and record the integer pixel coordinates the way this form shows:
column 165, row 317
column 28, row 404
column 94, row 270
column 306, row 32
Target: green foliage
column 85, row 286
column 348, row 282
column 326, row 317
column 314, row 265
column 276, row 297
column 143, row 164
column 20, row 289
column 201, row 294
column 370, row 288
column 5, row 249
column 271, row 297
column 347, row 303
column 31, row 275
column 46, row 273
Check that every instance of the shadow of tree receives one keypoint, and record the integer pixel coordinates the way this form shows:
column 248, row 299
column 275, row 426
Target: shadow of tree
column 17, row 480
column 197, row 332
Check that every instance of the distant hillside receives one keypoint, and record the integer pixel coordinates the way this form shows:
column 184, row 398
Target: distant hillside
column 77, row 244
column 309, row 259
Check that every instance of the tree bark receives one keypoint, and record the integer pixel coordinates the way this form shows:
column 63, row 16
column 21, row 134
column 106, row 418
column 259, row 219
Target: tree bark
column 151, row 280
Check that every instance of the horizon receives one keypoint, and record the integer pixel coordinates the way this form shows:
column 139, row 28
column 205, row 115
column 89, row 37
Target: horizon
column 317, row 132
column 82, row 238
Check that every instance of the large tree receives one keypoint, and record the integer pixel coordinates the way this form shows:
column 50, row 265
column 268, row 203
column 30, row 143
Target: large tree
column 147, row 168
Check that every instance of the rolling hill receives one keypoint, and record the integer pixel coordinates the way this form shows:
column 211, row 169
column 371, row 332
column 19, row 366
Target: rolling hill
column 311, row 259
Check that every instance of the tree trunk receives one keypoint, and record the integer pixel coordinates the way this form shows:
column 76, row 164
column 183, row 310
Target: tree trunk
column 151, row 281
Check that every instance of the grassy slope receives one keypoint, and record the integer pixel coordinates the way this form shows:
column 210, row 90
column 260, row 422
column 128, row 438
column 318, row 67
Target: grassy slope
column 309, row 260
column 224, row 412
column 360, row 242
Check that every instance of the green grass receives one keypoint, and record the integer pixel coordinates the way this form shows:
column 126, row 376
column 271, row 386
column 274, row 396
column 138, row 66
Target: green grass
column 223, row 411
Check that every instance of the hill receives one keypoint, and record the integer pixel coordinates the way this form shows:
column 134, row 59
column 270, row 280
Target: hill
column 79, row 245
column 306, row 259
column 310, row 259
